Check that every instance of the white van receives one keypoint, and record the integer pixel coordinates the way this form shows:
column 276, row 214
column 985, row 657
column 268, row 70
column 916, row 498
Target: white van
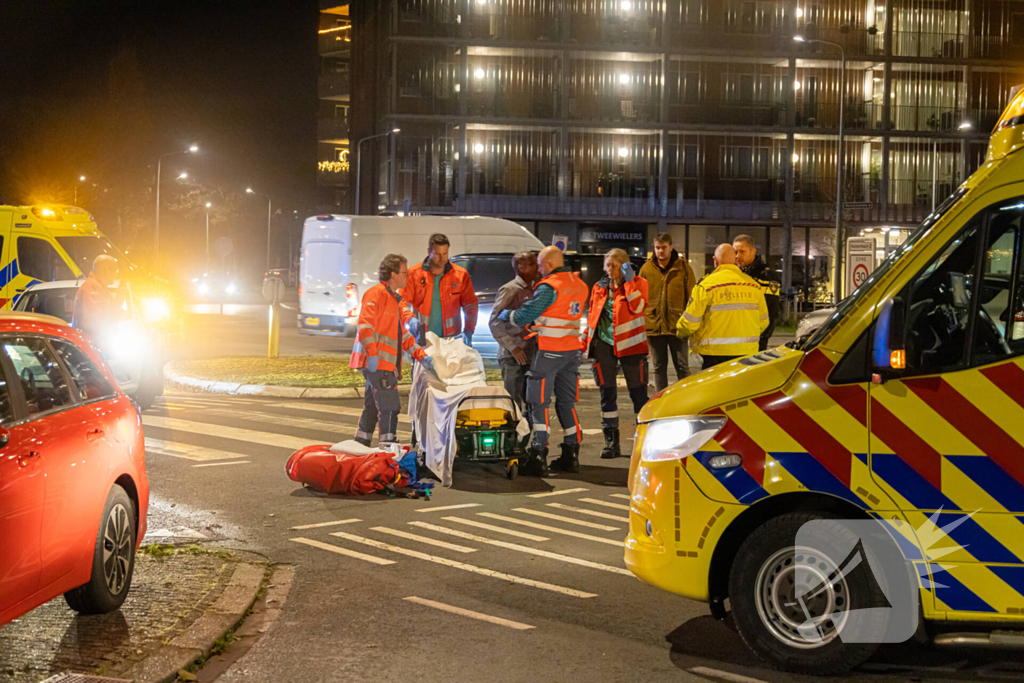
column 341, row 256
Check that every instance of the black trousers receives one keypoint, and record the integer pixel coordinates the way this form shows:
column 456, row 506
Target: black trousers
column 711, row 361
column 661, row 345
column 605, row 365
column 380, row 399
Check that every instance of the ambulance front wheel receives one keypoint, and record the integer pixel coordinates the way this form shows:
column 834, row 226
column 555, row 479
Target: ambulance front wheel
column 790, row 601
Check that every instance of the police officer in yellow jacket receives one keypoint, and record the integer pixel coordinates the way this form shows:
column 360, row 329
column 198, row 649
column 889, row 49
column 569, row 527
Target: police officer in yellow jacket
column 727, row 312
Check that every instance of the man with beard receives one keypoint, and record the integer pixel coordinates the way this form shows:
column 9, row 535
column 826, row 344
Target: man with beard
column 752, row 265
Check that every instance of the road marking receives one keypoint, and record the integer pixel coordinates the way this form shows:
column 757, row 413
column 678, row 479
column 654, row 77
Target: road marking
column 176, row 532
column 331, row 409
column 592, row 432
column 564, row 532
column 498, row 529
column 450, row 507
column 221, row 464
column 594, row 501
column 584, row 511
column 323, row 524
column 233, row 433
column 723, row 675
column 568, row 520
column 342, row 551
column 523, row 549
column 423, row 539
column 187, row 451
column 306, row 423
column 469, row 613
column 620, row 495
column 464, row 567
column 555, row 493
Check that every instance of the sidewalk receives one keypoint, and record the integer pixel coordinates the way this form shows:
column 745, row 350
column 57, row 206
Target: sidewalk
column 180, row 606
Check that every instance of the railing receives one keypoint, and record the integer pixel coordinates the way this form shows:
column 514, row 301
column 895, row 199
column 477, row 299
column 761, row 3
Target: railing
column 984, row 120
column 996, row 47
column 333, row 86
column 332, row 128
column 544, row 28
column 617, row 31
column 924, row 44
column 728, row 113
column 856, row 41
column 334, row 42
column 427, row 18
column 514, row 105
column 620, row 109
column 331, row 179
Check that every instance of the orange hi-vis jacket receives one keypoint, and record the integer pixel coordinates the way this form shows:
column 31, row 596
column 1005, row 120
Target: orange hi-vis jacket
column 456, row 292
column 558, row 327
column 629, row 329
column 382, row 317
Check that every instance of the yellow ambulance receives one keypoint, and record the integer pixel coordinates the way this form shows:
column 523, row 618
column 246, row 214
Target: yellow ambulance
column 906, row 407
column 48, row 243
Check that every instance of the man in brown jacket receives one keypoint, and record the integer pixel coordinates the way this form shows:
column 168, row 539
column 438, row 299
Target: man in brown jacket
column 670, row 282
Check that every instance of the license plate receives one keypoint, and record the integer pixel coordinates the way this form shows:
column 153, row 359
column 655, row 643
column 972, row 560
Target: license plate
column 312, row 321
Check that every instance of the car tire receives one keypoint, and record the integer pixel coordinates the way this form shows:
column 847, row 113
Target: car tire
column 113, row 560
column 150, row 386
column 765, row 612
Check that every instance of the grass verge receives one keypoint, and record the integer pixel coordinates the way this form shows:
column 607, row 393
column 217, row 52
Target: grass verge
column 288, row 371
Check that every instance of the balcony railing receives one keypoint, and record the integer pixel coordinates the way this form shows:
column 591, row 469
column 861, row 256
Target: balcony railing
column 515, row 28
column 333, row 86
column 332, row 179
column 334, row 42
column 332, row 128
column 728, row 113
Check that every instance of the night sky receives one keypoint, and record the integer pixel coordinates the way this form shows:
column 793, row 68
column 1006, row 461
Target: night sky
column 101, row 88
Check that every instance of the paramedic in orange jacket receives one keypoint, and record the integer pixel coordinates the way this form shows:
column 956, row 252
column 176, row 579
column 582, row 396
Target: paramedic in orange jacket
column 377, row 352
column 616, row 336
column 440, row 293
column 555, row 312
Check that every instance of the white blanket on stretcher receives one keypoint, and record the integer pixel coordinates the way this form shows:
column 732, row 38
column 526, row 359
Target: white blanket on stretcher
column 435, row 397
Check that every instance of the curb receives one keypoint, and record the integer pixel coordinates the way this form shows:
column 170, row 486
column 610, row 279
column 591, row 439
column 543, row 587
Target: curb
column 196, row 644
column 180, row 380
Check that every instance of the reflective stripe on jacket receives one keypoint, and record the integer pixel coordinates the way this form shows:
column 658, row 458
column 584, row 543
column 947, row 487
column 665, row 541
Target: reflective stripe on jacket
column 456, row 292
column 378, row 324
column 558, row 327
column 628, row 328
column 726, row 314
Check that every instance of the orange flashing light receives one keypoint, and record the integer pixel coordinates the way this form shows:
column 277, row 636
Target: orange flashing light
column 898, row 360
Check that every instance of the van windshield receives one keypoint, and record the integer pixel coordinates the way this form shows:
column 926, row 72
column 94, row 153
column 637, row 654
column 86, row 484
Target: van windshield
column 83, row 250
column 847, row 304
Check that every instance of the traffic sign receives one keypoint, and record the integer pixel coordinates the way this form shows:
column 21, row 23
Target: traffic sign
column 560, row 241
column 860, row 274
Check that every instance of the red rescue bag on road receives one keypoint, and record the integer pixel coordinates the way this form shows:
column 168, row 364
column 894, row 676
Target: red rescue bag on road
column 326, row 472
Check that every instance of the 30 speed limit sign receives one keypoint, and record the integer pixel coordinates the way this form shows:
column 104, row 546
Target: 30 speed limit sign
column 860, row 274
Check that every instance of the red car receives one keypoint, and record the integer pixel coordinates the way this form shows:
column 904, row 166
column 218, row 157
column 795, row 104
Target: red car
column 73, row 486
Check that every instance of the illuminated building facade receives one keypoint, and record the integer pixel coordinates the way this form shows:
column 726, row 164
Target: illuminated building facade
column 334, row 40
column 700, row 117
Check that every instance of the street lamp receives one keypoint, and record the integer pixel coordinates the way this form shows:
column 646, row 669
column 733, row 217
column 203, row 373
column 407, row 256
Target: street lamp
column 359, row 160
column 156, row 241
column 208, row 205
column 966, row 125
column 839, row 161
column 81, row 179
column 258, row 194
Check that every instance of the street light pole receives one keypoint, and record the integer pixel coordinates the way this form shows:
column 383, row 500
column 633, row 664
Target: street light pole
column 838, row 280
column 159, row 161
column 359, row 162
column 258, row 194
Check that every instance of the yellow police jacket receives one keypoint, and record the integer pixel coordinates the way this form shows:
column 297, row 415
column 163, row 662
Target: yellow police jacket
column 726, row 315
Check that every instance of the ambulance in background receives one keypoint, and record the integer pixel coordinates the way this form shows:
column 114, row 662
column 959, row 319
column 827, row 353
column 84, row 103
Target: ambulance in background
column 341, row 256
column 835, row 492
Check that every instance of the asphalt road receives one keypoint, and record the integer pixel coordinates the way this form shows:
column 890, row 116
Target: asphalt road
column 489, row 580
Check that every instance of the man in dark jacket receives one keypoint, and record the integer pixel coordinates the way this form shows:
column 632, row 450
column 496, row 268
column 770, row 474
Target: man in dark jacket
column 670, row 282
column 752, row 265
column 515, row 351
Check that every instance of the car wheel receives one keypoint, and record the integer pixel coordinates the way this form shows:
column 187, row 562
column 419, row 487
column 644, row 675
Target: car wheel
column 113, row 559
column 777, row 588
column 150, row 386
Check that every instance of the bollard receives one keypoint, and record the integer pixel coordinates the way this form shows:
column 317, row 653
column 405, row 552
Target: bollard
column 274, row 341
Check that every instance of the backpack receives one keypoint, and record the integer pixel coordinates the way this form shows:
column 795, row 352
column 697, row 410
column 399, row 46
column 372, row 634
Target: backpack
column 325, row 472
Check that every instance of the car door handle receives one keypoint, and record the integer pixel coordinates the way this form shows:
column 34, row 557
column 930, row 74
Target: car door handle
column 27, row 459
column 93, row 434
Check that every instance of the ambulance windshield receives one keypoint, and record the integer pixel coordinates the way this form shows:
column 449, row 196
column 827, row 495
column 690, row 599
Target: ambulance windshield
column 848, row 303
column 83, row 250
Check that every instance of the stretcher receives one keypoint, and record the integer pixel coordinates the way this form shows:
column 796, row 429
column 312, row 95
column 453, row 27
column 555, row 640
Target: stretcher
column 454, row 412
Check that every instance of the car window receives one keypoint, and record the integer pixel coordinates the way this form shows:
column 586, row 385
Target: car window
column 83, row 250
column 41, row 377
column 999, row 329
column 38, row 259
column 90, row 382
column 6, row 408
column 56, row 302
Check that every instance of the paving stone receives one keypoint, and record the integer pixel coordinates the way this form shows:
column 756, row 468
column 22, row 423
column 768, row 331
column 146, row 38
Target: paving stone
column 247, row 574
column 235, row 600
column 205, row 630
column 166, row 660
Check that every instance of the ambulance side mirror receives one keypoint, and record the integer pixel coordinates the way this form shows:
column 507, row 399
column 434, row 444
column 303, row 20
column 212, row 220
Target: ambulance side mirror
column 889, row 348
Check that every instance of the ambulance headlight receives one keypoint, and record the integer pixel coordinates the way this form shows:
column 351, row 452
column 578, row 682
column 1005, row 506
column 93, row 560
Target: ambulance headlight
column 676, row 438
column 128, row 343
column 155, row 310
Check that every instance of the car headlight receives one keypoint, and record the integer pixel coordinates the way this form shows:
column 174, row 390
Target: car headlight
column 230, row 289
column 155, row 310
column 203, row 289
column 676, row 438
column 128, row 343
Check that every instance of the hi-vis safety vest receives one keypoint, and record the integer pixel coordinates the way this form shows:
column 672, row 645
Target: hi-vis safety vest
column 726, row 314
column 558, row 327
column 457, row 297
column 378, row 324
column 628, row 324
